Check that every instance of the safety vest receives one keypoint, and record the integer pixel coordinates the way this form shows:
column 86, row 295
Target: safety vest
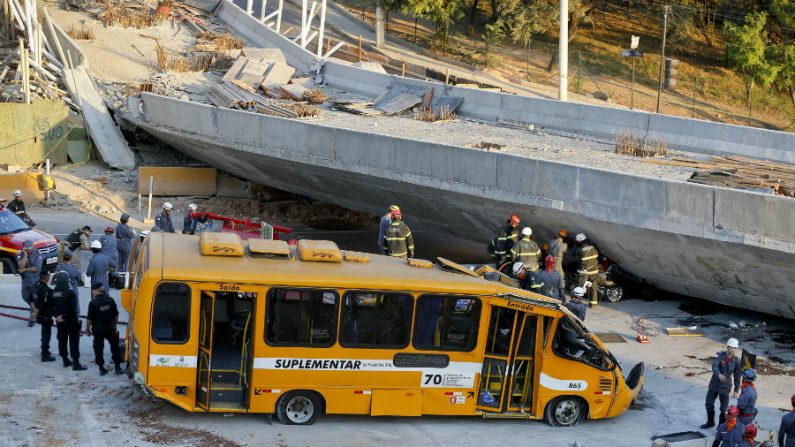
column 527, row 252
column 398, row 241
column 590, row 259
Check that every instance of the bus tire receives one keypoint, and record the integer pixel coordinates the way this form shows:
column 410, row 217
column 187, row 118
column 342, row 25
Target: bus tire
column 565, row 411
column 299, row 407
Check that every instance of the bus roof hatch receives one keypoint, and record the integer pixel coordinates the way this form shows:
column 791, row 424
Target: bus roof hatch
column 318, row 251
column 266, row 248
column 220, row 244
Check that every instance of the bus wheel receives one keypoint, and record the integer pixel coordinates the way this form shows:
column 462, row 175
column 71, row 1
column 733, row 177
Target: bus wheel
column 298, row 408
column 565, row 411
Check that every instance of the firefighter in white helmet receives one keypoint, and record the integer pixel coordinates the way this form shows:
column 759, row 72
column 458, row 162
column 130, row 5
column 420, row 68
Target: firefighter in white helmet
column 526, row 250
column 726, row 375
column 163, row 220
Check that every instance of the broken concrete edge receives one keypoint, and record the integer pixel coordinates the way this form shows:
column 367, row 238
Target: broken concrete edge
column 686, row 134
column 104, row 132
column 680, row 207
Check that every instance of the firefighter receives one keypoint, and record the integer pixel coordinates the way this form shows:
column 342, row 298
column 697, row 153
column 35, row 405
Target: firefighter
column 43, row 312
column 398, row 241
column 725, row 370
column 192, row 220
column 99, row 266
column 124, row 238
column 17, row 206
column 67, row 321
column 526, row 251
column 29, row 265
column 101, row 321
column 786, row 432
column 163, row 220
column 386, row 219
column 553, row 282
column 109, row 247
column 730, row 433
column 500, row 247
column 76, row 241
column 749, row 434
column 588, row 258
column 528, row 279
column 575, row 305
column 557, row 247
column 747, row 400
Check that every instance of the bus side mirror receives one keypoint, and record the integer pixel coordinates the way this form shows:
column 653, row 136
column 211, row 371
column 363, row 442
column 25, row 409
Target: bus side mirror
column 126, row 299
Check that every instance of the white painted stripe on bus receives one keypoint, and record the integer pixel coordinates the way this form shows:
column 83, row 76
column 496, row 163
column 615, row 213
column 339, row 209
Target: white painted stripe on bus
column 455, row 375
column 562, row 385
column 172, row 361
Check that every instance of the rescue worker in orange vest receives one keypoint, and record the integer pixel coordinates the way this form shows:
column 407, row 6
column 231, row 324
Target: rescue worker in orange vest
column 526, row 251
column 500, row 247
column 730, row 433
column 398, row 241
column 588, row 257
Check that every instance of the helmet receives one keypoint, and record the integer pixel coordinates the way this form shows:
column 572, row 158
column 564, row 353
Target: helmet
column 168, row 206
column 394, row 208
column 124, row 218
column 580, row 237
column 109, row 230
column 517, row 267
column 749, row 375
column 515, row 219
column 549, row 261
column 192, row 207
column 61, row 278
column 17, row 193
column 527, row 231
column 96, row 244
column 733, row 343
column 395, row 214
column 750, row 431
column 578, row 291
column 563, row 233
column 732, row 411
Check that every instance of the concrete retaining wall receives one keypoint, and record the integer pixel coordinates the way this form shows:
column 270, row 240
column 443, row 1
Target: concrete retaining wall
column 642, row 202
column 604, row 122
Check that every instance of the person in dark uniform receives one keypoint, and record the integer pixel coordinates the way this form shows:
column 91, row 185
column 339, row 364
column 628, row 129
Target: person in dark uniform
column 398, row 241
column 731, row 432
column 64, row 303
column 575, row 304
column 507, row 235
column 163, row 220
column 103, row 316
column 17, row 206
column 29, row 262
column 786, row 433
column 124, row 238
column 725, row 370
column 747, row 400
column 43, row 312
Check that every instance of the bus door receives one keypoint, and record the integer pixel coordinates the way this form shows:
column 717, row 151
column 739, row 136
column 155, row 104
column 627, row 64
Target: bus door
column 507, row 377
column 226, row 324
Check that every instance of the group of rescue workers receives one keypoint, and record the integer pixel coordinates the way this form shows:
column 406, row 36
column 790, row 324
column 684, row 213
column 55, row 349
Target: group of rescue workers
column 60, row 304
column 515, row 251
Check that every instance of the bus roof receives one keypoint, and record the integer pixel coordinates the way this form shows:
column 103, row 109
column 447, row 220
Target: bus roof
column 178, row 258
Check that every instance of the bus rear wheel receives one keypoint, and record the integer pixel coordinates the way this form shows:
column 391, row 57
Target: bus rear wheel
column 565, row 411
column 298, row 408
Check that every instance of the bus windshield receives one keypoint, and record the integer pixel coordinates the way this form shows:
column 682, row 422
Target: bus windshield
column 574, row 342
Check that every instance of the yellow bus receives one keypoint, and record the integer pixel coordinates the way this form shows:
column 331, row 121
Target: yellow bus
column 218, row 324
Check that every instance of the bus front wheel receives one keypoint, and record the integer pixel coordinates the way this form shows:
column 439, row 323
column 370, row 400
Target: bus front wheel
column 299, row 408
column 565, row 411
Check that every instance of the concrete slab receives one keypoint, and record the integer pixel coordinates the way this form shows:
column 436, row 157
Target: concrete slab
column 279, row 73
column 264, row 54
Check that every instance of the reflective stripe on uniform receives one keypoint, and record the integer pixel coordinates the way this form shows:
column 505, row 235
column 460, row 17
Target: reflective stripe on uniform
column 590, row 257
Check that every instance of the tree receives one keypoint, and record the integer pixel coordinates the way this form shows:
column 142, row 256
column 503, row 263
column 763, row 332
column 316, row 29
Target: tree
column 442, row 13
column 746, row 52
column 579, row 14
column 523, row 19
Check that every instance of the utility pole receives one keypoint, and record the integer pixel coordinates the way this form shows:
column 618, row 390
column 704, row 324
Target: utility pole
column 563, row 52
column 662, row 55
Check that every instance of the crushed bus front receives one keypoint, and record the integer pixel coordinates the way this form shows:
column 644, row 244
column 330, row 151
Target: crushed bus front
column 627, row 391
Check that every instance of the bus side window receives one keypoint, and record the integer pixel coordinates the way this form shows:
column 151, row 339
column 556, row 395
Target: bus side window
column 446, row 323
column 301, row 317
column 171, row 313
column 376, row 320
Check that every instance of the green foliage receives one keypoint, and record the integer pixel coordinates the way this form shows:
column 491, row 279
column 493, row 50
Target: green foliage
column 746, row 50
column 521, row 19
column 442, row 13
column 784, row 10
